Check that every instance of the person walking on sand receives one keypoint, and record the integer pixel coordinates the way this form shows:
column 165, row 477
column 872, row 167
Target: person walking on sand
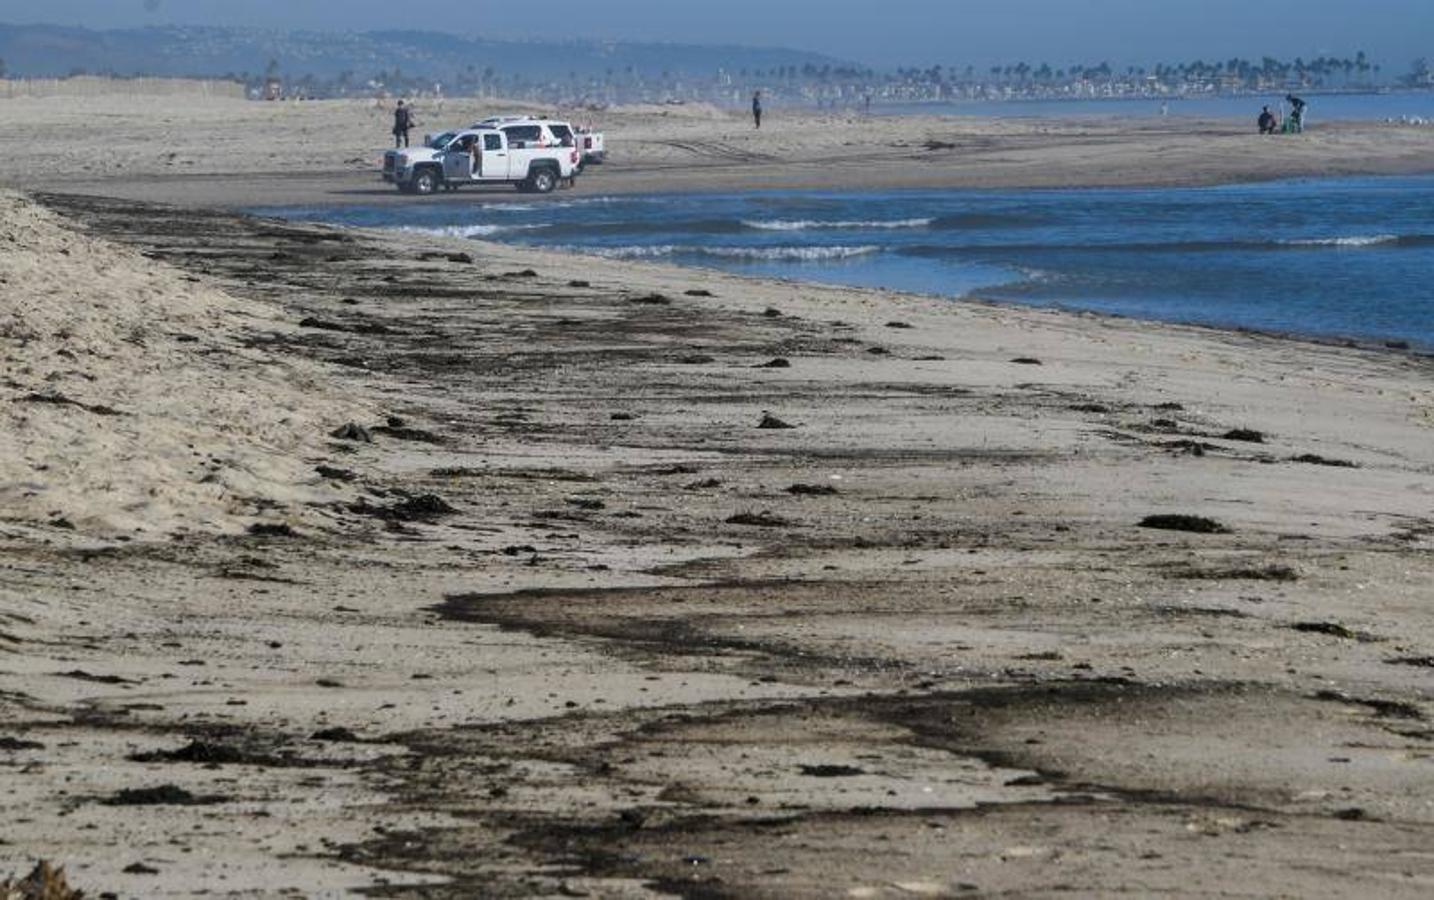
column 402, row 124
column 757, row 109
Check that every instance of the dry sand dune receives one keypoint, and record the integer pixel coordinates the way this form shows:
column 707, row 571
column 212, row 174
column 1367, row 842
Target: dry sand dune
column 657, row 582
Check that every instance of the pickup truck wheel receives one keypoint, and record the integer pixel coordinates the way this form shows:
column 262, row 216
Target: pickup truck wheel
column 425, row 182
column 543, row 181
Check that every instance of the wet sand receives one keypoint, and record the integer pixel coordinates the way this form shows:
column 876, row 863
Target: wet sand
column 571, row 622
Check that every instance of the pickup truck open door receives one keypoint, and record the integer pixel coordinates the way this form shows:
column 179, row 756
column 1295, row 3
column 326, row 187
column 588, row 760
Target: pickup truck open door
column 458, row 160
column 495, row 161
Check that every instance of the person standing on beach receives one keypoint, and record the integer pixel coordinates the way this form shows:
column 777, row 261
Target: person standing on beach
column 757, row 109
column 402, row 124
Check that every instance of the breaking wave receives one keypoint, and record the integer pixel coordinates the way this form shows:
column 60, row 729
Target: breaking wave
column 1356, row 241
column 755, row 254
column 815, row 225
column 468, row 231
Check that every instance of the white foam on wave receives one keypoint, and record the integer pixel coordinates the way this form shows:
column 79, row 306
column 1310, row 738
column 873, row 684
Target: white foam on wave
column 518, row 206
column 468, row 231
column 756, row 254
column 815, row 225
column 1369, row 240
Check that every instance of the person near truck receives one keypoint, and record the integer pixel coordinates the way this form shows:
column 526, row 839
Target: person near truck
column 1267, row 121
column 402, row 124
column 757, row 109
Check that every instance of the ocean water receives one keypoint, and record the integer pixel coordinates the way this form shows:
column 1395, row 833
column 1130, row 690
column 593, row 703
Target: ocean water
column 1350, row 258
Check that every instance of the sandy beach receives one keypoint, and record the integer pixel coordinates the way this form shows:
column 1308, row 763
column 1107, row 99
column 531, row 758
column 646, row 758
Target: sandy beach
column 338, row 562
column 235, row 153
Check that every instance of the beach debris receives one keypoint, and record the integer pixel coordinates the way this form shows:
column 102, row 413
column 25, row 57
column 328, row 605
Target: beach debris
column 895, row 324
column 331, row 683
column 770, row 422
column 622, row 417
column 831, row 771
column 588, row 503
column 1315, row 460
column 758, row 520
column 422, row 508
column 320, row 324
column 272, row 529
column 1247, row 435
column 522, row 273
column 651, row 300
column 519, row 550
column 13, row 745
column 139, row 868
column 772, row 312
column 934, row 144
column 1090, row 408
column 812, row 490
column 1424, row 662
column 1026, row 361
column 1397, row 345
column 1389, row 709
column 678, row 469
column 431, row 255
column 1165, row 424
column 336, row 736
column 698, row 292
column 161, row 795
column 696, row 359
column 45, row 882
column 1170, row 407
column 402, row 432
column 353, row 432
column 780, row 362
column 56, row 399
column 1334, row 629
column 335, row 474
column 579, row 283
column 1264, row 573
column 878, row 351
column 1181, row 522
column 201, row 752
column 1194, row 448
column 82, row 675
column 357, row 328
column 706, row 485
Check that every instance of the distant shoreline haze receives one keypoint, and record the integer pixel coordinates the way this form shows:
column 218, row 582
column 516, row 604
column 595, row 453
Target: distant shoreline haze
column 360, row 64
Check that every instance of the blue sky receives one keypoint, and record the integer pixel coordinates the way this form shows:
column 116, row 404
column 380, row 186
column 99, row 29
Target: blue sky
column 885, row 32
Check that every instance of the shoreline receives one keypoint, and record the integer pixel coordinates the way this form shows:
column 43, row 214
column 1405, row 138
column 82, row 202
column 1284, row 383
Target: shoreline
column 1393, row 342
column 343, row 189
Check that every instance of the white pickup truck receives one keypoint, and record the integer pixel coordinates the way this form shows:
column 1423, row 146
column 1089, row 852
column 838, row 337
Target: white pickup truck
column 526, row 154
column 591, row 144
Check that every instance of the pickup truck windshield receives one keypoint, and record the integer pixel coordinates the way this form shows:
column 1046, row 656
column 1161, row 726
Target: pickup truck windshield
column 442, row 140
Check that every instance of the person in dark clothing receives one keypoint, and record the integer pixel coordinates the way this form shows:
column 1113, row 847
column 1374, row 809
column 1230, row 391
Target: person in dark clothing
column 1267, row 122
column 1295, row 124
column 402, row 124
column 757, row 108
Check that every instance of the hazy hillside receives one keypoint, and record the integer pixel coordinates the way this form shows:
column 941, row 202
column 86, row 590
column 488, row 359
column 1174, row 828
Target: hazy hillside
column 36, row 51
